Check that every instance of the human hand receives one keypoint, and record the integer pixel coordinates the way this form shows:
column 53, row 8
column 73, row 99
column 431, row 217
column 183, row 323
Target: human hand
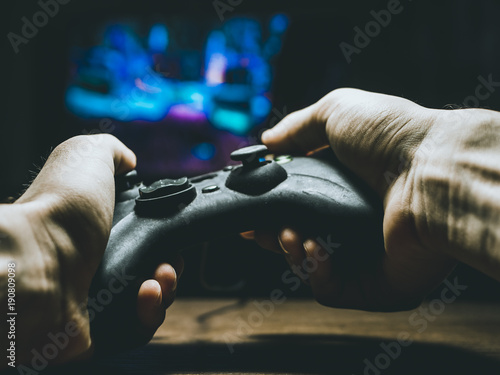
column 415, row 159
column 56, row 233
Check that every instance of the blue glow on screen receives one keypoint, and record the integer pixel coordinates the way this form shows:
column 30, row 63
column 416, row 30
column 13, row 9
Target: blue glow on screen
column 204, row 151
column 260, row 106
column 158, row 38
column 234, row 121
column 279, row 23
column 127, row 76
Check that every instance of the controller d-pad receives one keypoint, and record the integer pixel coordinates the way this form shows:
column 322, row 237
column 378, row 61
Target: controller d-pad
column 165, row 196
column 165, row 187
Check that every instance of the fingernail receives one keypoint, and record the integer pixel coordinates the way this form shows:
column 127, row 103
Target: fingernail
column 282, row 247
column 248, row 235
column 310, row 246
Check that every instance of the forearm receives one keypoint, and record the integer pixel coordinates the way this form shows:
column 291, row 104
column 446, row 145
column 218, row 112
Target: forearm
column 460, row 190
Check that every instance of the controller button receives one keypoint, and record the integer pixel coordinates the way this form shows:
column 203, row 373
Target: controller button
column 210, row 189
column 164, row 187
column 283, row 159
column 126, row 181
column 204, row 177
column 250, row 156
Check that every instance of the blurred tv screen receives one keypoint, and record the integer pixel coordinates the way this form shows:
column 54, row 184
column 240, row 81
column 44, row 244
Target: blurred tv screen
column 181, row 93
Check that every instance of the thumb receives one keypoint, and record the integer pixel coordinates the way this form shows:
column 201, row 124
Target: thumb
column 374, row 135
column 82, row 164
column 299, row 132
column 77, row 178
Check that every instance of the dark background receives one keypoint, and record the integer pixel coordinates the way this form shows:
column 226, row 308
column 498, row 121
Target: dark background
column 431, row 53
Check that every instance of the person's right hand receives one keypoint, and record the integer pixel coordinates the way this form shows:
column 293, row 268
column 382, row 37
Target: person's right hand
column 424, row 164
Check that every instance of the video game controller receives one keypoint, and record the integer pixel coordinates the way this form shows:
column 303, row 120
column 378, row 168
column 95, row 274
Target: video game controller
column 314, row 194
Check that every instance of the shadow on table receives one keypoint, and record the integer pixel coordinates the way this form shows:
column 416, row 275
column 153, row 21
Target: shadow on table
column 292, row 354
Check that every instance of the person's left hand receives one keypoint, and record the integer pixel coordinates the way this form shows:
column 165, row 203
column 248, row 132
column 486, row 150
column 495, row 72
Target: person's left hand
column 56, row 233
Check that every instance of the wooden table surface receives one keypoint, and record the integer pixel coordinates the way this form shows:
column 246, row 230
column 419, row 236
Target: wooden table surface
column 226, row 336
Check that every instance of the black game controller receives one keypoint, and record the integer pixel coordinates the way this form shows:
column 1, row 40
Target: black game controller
column 314, row 194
